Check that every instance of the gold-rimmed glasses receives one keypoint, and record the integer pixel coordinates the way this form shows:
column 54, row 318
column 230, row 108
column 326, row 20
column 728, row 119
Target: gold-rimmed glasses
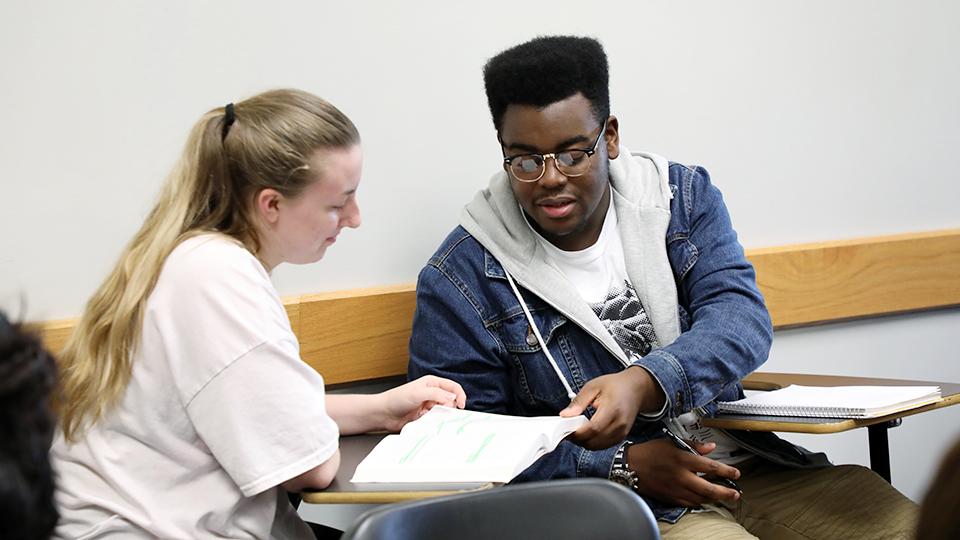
column 570, row 163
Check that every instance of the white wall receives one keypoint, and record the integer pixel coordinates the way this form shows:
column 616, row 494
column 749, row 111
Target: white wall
column 818, row 119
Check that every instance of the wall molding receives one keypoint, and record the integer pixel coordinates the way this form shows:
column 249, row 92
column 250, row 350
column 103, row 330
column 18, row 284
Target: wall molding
column 362, row 334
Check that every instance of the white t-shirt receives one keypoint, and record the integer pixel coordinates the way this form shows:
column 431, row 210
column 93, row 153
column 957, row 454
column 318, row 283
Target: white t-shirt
column 220, row 409
column 599, row 273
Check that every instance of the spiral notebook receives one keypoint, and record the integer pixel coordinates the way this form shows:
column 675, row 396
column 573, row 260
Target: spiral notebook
column 834, row 401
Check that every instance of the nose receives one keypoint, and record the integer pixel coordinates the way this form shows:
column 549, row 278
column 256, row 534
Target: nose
column 552, row 177
column 351, row 216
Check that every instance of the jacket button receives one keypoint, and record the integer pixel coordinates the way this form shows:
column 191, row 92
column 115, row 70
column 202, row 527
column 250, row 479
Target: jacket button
column 531, row 339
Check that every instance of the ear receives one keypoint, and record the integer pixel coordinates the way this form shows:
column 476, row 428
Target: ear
column 266, row 204
column 612, row 136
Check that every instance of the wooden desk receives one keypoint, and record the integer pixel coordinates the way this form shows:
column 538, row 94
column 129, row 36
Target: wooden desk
column 341, row 491
column 876, row 427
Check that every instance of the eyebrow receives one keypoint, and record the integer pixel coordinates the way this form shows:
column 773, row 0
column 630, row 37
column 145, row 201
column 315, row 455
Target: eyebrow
column 563, row 144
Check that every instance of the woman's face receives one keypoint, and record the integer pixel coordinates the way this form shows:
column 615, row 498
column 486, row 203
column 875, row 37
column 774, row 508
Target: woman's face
column 307, row 224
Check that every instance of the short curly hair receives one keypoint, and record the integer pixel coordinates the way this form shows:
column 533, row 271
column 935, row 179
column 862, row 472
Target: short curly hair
column 545, row 70
column 27, row 377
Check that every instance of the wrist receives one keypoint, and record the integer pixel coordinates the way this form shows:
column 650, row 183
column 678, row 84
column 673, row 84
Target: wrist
column 379, row 411
column 620, row 471
column 652, row 397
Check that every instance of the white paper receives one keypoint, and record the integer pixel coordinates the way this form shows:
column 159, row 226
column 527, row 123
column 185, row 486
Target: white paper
column 453, row 445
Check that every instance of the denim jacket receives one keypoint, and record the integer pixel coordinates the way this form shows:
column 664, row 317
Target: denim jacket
column 470, row 327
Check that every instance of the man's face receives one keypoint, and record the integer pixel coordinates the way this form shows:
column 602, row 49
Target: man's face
column 567, row 211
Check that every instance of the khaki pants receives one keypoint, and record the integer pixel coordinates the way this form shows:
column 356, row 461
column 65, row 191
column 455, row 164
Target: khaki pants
column 841, row 502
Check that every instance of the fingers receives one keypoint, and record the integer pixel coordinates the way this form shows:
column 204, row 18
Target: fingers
column 581, row 401
column 615, row 407
column 693, row 488
column 703, row 448
column 460, row 397
column 700, row 491
column 692, row 498
column 707, row 468
column 454, row 396
column 592, row 435
column 711, row 467
column 709, row 492
column 675, row 475
column 587, row 434
column 602, row 431
column 434, row 395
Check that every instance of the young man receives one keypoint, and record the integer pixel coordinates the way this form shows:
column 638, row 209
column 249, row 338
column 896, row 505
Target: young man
column 589, row 279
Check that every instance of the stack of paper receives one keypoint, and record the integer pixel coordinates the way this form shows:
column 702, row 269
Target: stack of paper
column 834, row 401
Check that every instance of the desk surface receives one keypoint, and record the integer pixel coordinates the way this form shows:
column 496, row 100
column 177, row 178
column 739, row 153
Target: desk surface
column 950, row 393
column 353, row 449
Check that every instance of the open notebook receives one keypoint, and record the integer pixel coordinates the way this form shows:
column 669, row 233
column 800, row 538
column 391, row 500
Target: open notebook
column 453, row 445
column 834, row 401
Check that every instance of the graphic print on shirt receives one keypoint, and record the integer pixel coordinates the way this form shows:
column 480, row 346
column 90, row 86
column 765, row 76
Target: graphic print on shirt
column 623, row 316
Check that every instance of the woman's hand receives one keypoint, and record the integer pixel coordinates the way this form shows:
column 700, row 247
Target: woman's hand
column 410, row 401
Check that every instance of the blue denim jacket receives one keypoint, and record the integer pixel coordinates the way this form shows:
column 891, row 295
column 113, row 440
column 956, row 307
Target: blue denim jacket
column 470, row 327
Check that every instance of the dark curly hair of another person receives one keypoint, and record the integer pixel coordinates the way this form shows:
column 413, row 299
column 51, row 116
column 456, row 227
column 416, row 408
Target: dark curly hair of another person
column 545, row 70
column 27, row 376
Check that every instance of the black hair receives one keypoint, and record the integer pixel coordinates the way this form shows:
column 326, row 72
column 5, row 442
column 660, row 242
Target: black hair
column 27, row 376
column 545, row 70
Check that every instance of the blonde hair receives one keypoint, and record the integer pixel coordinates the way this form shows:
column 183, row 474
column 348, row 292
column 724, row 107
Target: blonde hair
column 231, row 154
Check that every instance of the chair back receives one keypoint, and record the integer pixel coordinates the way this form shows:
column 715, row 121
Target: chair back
column 574, row 509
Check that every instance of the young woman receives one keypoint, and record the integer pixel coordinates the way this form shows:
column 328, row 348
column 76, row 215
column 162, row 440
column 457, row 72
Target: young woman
column 186, row 410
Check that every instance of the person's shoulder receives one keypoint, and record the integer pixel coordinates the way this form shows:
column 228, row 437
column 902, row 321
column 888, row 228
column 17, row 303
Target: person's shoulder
column 216, row 280
column 213, row 257
column 682, row 174
column 460, row 259
column 691, row 187
column 458, row 247
column 213, row 251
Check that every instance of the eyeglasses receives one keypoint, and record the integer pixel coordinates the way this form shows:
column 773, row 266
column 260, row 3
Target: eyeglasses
column 575, row 162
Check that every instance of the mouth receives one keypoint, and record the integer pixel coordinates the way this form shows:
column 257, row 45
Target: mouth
column 556, row 207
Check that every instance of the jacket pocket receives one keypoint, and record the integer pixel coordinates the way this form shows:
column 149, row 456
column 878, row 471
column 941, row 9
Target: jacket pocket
column 533, row 374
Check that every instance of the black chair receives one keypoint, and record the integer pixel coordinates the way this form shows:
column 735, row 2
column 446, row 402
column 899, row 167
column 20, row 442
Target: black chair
column 574, row 509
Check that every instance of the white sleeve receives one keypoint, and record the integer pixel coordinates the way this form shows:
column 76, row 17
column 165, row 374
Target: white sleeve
column 264, row 419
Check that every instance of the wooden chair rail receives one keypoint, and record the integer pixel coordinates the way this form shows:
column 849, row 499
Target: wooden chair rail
column 358, row 335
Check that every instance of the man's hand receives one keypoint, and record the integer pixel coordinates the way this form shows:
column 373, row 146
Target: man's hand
column 666, row 473
column 617, row 398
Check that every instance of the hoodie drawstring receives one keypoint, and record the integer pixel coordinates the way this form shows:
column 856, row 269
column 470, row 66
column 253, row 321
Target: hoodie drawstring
column 536, row 332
